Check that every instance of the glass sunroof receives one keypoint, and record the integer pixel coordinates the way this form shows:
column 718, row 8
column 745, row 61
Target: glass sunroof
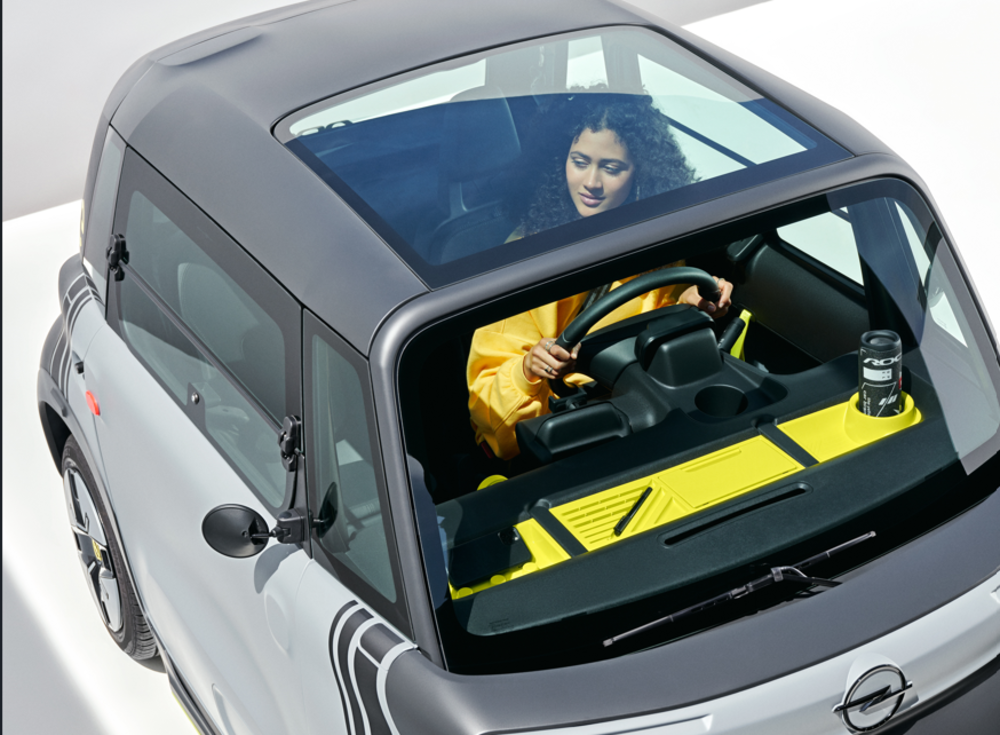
column 475, row 163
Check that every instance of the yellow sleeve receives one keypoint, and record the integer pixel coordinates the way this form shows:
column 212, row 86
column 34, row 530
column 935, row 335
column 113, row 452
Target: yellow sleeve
column 499, row 394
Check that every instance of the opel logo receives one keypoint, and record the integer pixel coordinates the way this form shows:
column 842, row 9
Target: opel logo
column 873, row 699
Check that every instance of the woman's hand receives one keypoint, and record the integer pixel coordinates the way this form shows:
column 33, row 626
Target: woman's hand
column 715, row 310
column 546, row 359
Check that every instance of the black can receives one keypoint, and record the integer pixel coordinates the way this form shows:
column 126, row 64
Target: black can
column 880, row 373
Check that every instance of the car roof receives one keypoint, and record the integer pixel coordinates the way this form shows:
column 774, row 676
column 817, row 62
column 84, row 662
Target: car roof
column 201, row 110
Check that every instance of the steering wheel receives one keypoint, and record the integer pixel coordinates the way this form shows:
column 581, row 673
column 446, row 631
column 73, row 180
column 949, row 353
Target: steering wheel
column 708, row 289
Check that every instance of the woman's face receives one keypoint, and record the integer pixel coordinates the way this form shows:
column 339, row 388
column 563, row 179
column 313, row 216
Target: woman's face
column 599, row 172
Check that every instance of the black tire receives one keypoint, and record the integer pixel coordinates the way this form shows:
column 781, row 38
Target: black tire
column 132, row 634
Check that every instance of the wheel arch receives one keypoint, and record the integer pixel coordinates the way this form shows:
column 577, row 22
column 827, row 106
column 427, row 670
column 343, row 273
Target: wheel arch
column 59, row 423
column 56, row 431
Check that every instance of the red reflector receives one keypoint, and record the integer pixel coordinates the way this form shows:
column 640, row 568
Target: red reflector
column 92, row 402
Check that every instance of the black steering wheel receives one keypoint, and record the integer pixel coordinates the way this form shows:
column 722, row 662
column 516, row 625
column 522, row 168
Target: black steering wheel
column 708, row 289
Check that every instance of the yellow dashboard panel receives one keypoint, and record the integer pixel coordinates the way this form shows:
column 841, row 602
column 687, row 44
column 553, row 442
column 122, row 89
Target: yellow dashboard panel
column 696, row 485
column 676, row 492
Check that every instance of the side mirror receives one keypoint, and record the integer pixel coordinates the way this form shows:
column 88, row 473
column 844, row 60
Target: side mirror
column 241, row 532
column 235, row 530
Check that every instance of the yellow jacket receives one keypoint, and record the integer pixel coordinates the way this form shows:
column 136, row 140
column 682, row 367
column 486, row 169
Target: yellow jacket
column 499, row 394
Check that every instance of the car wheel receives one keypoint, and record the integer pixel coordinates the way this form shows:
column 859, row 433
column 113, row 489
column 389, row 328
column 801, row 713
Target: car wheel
column 102, row 560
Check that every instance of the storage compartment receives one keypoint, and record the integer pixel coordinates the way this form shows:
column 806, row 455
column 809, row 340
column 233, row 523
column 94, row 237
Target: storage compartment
column 721, row 401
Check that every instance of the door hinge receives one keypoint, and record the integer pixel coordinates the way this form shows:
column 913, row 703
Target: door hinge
column 288, row 442
column 117, row 255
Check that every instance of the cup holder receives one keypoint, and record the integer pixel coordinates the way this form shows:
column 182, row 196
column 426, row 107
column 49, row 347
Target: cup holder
column 721, row 401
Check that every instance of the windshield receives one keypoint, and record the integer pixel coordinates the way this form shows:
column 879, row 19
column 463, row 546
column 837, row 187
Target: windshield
column 460, row 166
column 678, row 470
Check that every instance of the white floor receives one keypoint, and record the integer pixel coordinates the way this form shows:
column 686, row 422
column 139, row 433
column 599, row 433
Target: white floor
column 919, row 74
column 61, row 58
column 61, row 671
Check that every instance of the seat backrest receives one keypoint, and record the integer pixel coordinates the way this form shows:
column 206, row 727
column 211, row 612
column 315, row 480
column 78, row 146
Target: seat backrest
column 479, row 141
column 480, row 229
column 777, row 284
column 478, row 137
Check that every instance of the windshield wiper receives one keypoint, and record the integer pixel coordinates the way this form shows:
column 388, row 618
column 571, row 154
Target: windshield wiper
column 791, row 573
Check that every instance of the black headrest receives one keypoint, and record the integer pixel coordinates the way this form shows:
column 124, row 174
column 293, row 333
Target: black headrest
column 479, row 136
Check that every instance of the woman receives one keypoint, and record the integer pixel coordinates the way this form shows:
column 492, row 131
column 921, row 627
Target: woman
column 618, row 148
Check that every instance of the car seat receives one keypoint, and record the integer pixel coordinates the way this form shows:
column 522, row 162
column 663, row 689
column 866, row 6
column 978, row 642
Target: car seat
column 478, row 141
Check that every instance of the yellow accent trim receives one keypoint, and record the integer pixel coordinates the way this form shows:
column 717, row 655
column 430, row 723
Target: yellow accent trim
column 491, row 480
column 677, row 492
column 843, row 428
column 718, row 476
column 737, row 350
column 698, row 484
column 592, row 520
column 545, row 552
column 97, row 551
column 186, row 714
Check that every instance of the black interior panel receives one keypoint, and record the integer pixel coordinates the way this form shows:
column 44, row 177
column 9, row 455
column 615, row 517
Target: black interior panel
column 776, row 290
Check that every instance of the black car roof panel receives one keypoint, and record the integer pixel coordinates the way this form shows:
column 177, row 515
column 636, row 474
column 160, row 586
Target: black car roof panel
column 285, row 217
column 309, row 56
column 220, row 103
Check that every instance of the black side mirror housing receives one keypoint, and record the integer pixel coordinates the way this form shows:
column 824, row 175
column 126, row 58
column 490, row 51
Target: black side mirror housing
column 240, row 532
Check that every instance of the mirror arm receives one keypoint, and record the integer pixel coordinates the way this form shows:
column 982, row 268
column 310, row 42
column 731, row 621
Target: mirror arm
column 291, row 527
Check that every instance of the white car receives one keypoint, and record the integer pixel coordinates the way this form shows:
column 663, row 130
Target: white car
column 298, row 392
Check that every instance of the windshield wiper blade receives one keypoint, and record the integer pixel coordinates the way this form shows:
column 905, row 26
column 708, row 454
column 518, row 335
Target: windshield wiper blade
column 792, row 573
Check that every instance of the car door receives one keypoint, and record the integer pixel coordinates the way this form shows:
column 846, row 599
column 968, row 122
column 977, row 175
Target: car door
column 194, row 377
column 352, row 621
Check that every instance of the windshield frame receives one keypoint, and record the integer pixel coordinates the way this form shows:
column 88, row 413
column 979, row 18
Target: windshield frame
column 698, row 241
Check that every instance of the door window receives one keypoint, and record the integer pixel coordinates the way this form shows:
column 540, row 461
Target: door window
column 585, row 63
column 351, row 524
column 214, row 329
column 934, row 287
column 828, row 238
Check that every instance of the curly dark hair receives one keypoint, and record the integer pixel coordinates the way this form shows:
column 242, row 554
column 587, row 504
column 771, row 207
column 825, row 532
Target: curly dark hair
column 639, row 126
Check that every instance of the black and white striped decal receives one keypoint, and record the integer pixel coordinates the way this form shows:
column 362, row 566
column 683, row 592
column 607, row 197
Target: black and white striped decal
column 362, row 649
column 59, row 361
column 80, row 292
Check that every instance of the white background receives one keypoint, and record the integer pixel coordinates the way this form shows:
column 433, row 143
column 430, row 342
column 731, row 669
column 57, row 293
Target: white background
column 922, row 75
